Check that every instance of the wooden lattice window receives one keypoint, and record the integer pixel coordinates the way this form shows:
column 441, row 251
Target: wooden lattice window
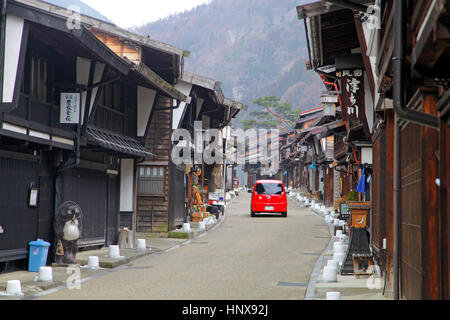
column 151, row 180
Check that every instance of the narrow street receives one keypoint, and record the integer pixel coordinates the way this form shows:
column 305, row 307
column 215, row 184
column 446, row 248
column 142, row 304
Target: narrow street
column 244, row 258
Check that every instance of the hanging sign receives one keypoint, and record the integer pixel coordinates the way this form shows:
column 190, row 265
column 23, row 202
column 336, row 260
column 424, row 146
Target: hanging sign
column 353, row 104
column 70, row 108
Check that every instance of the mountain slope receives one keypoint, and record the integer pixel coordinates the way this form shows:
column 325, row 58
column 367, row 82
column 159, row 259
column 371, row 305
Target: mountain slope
column 255, row 47
column 85, row 9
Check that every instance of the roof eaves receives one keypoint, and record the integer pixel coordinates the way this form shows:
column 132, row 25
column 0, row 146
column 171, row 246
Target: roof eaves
column 154, row 79
column 107, row 27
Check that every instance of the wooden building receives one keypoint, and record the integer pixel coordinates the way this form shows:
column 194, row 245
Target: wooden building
column 44, row 66
column 316, row 131
column 288, row 168
column 164, row 188
column 412, row 54
column 402, row 47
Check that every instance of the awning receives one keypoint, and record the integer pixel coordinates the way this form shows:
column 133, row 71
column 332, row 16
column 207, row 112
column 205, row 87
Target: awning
column 316, row 9
column 120, row 144
column 156, row 81
column 235, row 106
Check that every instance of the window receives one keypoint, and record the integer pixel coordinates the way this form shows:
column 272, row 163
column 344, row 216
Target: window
column 38, row 78
column 269, row 188
column 111, row 96
column 151, row 180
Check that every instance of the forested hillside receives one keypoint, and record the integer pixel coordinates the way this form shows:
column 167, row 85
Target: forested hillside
column 255, row 47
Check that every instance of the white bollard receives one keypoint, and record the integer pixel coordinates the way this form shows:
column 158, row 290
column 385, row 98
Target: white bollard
column 201, row 225
column 14, row 288
column 339, row 248
column 333, row 295
column 329, row 274
column 186, row 227
column 338, row 233
column 93, row 262
column 339, row 256
column 333, row 263
column 337, row 243
column 140, row 244
column 45, row 274
column 114, row 252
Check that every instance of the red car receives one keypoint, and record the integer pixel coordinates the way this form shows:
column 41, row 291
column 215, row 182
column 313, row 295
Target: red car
column 269, row 196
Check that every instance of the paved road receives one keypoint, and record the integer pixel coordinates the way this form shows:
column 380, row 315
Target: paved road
column 244, row 258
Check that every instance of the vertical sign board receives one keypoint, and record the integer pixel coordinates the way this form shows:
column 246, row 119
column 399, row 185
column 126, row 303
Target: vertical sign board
column 70, row 108
column 353, row 102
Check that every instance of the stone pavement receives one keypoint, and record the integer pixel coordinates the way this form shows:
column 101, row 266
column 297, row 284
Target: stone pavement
column 65, row 276
column 350, row 288
column 266, row 257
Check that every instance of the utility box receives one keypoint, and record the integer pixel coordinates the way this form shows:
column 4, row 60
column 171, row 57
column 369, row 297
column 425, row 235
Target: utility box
column 38, row 255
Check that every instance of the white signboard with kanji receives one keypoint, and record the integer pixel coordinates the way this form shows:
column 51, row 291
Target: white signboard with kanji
column 70, row 108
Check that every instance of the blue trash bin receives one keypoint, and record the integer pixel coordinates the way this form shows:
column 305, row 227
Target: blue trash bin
column 38, row 255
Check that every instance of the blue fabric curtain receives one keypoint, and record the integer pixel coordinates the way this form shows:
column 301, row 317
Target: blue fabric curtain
column 362, row 184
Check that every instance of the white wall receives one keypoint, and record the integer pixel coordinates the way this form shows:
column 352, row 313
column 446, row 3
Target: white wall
column 126, row 185
column 13, row 42
column 185, row 88
column 145, row 100
column 83, row 70
column 370, row 113
column 98, row 74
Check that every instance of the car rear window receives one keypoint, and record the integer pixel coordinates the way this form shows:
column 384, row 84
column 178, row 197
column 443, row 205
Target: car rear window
column 269, row 188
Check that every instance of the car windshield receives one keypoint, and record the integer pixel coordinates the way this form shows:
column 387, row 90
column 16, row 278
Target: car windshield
column 269, row 188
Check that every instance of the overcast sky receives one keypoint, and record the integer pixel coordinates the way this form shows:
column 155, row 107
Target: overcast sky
column 128, row 13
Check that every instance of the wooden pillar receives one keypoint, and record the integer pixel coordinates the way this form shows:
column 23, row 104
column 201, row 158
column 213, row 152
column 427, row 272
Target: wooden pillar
column 387, row 224
column 431, row 284
column 445, row 205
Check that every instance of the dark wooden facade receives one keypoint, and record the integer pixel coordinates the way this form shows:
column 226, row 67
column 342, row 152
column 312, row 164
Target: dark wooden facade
column 153, row 208
column 97, row 169
column 422, row 120
column 166, row 207
column 444, row 196
column 423, row 246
